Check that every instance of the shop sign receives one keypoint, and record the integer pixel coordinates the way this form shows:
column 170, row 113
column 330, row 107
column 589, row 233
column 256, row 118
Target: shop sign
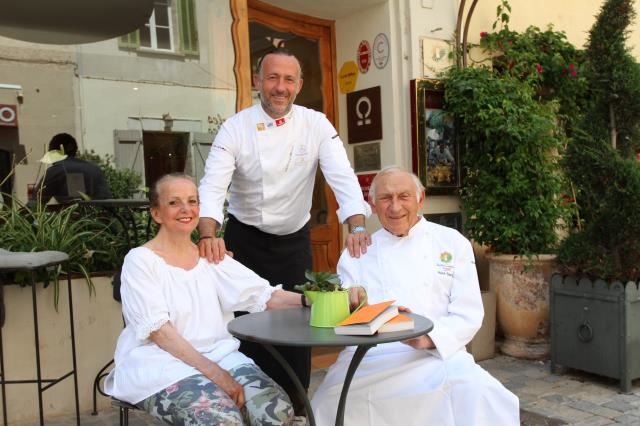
column 364, row 115
column 8, row 115
column 348, row 76
column 381, row 50
column 364, row 56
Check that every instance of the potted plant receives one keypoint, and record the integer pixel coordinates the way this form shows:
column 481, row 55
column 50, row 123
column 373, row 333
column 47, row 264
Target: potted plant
column 89, row 239
column 595, row 300
column 329, row 301
column 511, row 134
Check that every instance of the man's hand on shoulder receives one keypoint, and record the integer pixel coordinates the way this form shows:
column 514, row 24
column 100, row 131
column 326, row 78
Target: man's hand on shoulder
column 358, row 238
column 211, row 247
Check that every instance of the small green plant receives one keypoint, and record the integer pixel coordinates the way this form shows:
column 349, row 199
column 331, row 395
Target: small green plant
column 320, row 281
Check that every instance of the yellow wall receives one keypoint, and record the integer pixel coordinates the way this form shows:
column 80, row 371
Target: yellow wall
column 574, row 17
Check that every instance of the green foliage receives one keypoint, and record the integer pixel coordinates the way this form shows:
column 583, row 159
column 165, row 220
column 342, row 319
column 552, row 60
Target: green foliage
column 605, row 239
column 124, row 183
column 86, row 239
column 606, row 242
column 320, row 281
column 545, row 60
column 511, row 144
column 614, row 78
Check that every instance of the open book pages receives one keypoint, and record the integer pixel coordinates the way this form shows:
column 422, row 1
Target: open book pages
column 398, row 323
column 368, row 319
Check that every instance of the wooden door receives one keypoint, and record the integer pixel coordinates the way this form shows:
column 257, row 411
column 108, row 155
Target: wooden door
column 312, row 40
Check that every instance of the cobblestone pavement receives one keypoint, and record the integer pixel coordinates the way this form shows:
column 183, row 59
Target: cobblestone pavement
column 573, row 398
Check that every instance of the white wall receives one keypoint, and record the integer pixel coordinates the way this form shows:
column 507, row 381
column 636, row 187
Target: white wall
column 404, row 22
column 108, row 105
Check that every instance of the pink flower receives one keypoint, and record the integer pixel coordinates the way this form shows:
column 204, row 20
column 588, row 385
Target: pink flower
column 539, row 69
column 571, row 67
column 171, row 388
column 483, row 34
column 573, row 73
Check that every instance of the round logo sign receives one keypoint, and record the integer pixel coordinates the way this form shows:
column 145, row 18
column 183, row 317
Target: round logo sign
column 364, row 56
column 381, row 50
column 7, row 115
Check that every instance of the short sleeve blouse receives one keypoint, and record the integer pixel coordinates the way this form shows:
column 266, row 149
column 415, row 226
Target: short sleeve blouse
column 198, row 302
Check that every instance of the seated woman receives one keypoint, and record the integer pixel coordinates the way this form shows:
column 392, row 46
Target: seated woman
column 175, row 358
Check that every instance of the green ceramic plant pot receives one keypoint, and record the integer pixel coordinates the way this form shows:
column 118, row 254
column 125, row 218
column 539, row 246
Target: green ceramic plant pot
column 328, row 308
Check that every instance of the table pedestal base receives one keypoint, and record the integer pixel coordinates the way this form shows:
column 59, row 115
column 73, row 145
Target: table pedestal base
column 353, row 366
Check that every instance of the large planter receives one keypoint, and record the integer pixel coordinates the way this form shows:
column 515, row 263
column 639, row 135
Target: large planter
column 595, row 327
column 522, row 303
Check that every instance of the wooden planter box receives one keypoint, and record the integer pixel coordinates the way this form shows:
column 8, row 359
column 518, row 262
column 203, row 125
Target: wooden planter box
column 595, row 327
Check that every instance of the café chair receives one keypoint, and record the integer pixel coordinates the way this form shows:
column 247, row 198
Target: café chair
column 124, row 408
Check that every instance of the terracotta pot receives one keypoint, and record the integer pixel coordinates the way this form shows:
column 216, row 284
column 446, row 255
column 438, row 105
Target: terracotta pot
column 522, row 303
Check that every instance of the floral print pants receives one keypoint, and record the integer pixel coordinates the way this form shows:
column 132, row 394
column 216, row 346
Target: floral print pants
column 198, row 401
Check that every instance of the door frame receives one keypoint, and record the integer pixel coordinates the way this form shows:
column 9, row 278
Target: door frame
column 243, row 10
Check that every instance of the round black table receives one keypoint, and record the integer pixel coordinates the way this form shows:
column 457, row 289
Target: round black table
column 291, row 327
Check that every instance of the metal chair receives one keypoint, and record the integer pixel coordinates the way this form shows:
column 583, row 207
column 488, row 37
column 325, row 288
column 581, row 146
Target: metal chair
column 33, row 263
column 103, row 371
column 124, row 408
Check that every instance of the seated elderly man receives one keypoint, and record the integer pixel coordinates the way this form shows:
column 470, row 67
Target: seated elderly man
column 430, row 269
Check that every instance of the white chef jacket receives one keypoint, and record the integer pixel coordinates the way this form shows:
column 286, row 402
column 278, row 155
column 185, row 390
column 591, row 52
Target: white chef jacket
column 271, row 165
column 199, row 302
column 432, row 272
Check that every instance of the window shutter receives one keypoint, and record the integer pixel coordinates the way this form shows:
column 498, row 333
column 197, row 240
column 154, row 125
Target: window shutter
column 130, row 41
column 188, row 26
column 200, row 147
column 129, row 153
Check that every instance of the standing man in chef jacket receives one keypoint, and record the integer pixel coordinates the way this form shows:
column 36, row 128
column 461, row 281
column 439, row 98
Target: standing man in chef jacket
column 267, row 156
column 431, row 379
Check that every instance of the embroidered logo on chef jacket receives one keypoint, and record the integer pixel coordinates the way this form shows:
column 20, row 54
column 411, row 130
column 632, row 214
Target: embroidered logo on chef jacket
column 300, row 156
column 444, row 266
column 260, row 127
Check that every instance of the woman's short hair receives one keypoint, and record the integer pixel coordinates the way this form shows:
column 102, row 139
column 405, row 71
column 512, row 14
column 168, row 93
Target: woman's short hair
column 154, row 191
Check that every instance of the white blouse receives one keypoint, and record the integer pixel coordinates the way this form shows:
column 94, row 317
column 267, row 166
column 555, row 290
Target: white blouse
column 198, row 302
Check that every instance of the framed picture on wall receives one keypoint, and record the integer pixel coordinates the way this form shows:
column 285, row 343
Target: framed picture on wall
column 452, row 220
column 435, row 151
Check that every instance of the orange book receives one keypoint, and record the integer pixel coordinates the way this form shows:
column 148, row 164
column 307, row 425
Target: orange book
column 398, row 323
column 367, row 320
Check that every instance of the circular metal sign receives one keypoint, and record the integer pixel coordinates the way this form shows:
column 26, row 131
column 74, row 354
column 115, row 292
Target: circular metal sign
column 7, row 115
column 381, row 50
column 364, row 56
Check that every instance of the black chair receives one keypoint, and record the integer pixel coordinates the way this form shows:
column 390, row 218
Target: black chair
column 97, row 381
column 124, row 408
